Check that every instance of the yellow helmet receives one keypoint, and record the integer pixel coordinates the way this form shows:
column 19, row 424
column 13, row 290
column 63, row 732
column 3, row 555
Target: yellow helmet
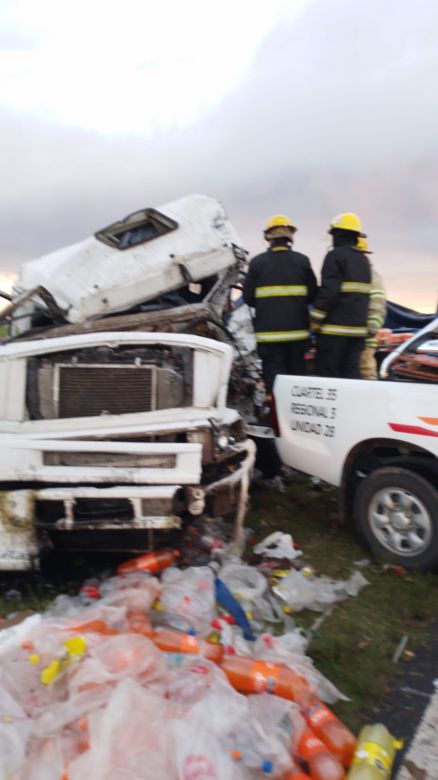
column 362, row 245
column 279, row 221
column 346, row 222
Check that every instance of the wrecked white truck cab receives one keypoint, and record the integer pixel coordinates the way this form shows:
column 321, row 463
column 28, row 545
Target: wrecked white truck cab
column 116, row 435
column 186, row 245
column 114, row 381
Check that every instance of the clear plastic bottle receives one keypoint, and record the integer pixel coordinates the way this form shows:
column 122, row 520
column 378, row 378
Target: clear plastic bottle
column 249, row 676
column 151, row 562
column 374, row 754
column 320, row 761
column 338, row 738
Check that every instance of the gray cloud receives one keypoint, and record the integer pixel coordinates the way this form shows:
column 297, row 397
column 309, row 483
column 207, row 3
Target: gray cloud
column 337, row 112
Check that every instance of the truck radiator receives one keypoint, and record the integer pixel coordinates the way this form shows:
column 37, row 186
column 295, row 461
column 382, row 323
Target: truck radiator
column 70, row 390
column 88, row 391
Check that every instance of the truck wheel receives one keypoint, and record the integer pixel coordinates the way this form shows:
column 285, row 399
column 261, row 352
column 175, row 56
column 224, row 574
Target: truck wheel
column 397, row 513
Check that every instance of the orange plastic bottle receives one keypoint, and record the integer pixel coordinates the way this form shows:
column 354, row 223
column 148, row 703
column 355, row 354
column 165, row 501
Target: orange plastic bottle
column 338, row 738
column 96, row 626
column 248, row 676
column 321, row 763
column 171, row 641
column 151, row 562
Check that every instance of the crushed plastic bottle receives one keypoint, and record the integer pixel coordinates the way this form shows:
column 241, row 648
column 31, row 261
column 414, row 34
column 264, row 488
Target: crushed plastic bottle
column 375, row 753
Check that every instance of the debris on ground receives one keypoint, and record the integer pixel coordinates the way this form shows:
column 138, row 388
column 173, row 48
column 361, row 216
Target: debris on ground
column 188, row 651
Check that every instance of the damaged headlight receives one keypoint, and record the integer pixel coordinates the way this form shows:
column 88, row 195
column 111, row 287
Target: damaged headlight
column 228, row 435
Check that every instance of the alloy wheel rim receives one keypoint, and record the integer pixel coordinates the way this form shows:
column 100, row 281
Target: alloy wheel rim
column 400, row 521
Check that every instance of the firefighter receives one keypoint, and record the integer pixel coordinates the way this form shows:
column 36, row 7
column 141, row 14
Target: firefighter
column 280, row 285
column 340, row 311
column 376, row 317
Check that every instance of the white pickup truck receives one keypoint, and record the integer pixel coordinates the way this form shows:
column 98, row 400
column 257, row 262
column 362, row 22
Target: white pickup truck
column 377, row 442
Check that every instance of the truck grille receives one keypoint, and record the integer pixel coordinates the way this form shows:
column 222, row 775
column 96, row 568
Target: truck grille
column 156, row 507
column 88, row 391
column 114, row 459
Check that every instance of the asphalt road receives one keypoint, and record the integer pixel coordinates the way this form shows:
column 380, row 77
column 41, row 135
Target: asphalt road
column 410, row 712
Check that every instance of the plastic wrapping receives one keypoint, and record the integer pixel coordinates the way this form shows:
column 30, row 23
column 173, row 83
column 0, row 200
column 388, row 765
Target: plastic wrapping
column 244, row 582
column 117, row 658
column 188, row 599
column 91, row 689
column 128, row 738
column 14, row 732
column 300, row 592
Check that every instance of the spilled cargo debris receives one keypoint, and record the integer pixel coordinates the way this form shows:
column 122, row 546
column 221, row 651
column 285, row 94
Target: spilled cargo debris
column 170, row 650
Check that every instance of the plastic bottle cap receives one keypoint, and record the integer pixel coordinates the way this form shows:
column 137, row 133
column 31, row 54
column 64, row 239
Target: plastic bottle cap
column 267, row 767
column 192, row 632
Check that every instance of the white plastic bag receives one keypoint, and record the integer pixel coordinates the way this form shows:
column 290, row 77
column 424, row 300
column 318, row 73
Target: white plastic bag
column 278, row 545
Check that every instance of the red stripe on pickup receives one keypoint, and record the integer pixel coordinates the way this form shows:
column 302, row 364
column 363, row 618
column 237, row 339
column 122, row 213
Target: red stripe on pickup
column 415, row 429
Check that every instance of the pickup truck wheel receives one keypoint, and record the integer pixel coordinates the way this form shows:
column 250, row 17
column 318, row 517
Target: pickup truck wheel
column 397, row 512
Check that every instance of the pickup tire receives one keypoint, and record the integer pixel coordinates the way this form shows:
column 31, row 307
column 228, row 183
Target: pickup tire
column 396, row 511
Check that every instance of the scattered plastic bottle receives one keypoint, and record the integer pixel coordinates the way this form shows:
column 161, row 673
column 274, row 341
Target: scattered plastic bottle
column 94, row 626
column 172, row 641
column 248, row 676
column 151, row 562
column 338, row 738
column 374, row 755
column 322, row 764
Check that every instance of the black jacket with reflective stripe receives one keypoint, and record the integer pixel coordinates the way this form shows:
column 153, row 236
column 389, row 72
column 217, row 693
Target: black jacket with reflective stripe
column 280, row 284
column 341, row 305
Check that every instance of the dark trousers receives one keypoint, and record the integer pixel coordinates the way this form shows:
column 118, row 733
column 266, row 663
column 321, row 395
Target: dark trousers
column 338, row 356
column 282, row 358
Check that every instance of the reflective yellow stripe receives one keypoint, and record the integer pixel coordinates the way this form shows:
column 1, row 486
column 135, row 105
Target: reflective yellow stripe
column 280, row 249
column 281, row 290
column 358, row 287
column 282, row 335
column 318, row 314
column 344, row 330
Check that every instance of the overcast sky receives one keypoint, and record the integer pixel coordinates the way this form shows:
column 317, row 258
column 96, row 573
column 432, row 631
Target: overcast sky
column 304, row 107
